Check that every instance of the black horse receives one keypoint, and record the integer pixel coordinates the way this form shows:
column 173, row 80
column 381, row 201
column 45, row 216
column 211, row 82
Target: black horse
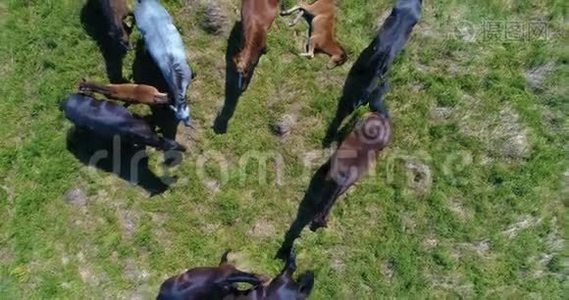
column 367, row 82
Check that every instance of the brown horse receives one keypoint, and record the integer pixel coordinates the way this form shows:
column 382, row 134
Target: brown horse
column 206, row 282
column 257, row 16
column 321, row 17
column 128, row 92
column 116, row 12
column 351, row 160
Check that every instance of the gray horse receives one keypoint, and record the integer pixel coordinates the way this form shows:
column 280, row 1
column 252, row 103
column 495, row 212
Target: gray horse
column 164, row 43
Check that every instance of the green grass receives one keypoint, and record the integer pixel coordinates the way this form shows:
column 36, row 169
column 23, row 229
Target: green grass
column 490, row 224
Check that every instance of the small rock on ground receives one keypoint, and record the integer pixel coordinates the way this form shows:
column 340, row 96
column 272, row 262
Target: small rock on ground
column 284, row 125
column 516, row 147
column 215, row 18
column 430, row 243
column 420, row 179
column 441, row 113
column 536, row 76
column 388, row 269
column 515, row 142
column 76, row 196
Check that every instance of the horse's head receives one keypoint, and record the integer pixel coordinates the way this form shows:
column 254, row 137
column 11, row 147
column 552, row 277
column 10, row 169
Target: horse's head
column 182, row 112
column 285, row 287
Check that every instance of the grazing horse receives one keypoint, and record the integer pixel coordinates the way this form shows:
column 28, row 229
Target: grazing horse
column 128, row 92
column 321, row 17
column 165, row 45
column 206, row 282
column 282, row 287
column 367, row 75
column 257, row 16
column 109, row 119
column 352, row 159
column 116, row 12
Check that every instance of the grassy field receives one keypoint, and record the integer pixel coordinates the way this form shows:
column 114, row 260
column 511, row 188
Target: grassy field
column 471, row 199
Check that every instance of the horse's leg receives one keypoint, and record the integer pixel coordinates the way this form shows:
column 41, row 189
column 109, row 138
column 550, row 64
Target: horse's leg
column 297, row 19
column 310, row 51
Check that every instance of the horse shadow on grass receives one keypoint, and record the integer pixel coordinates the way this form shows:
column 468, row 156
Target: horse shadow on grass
column 145, row 71
column 232, row 90
column 310, row 204
column 306, row 210
column 96, row 26
column 124, row 160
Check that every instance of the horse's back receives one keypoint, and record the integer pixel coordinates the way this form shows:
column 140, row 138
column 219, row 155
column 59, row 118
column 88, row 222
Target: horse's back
column 410, row 10
column 158, row 29
column 162, row 39
column 103, row 117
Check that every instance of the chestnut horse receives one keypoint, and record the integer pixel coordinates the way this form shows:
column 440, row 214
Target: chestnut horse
column 257, row 16
column 321, row 17
column 127, row 92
